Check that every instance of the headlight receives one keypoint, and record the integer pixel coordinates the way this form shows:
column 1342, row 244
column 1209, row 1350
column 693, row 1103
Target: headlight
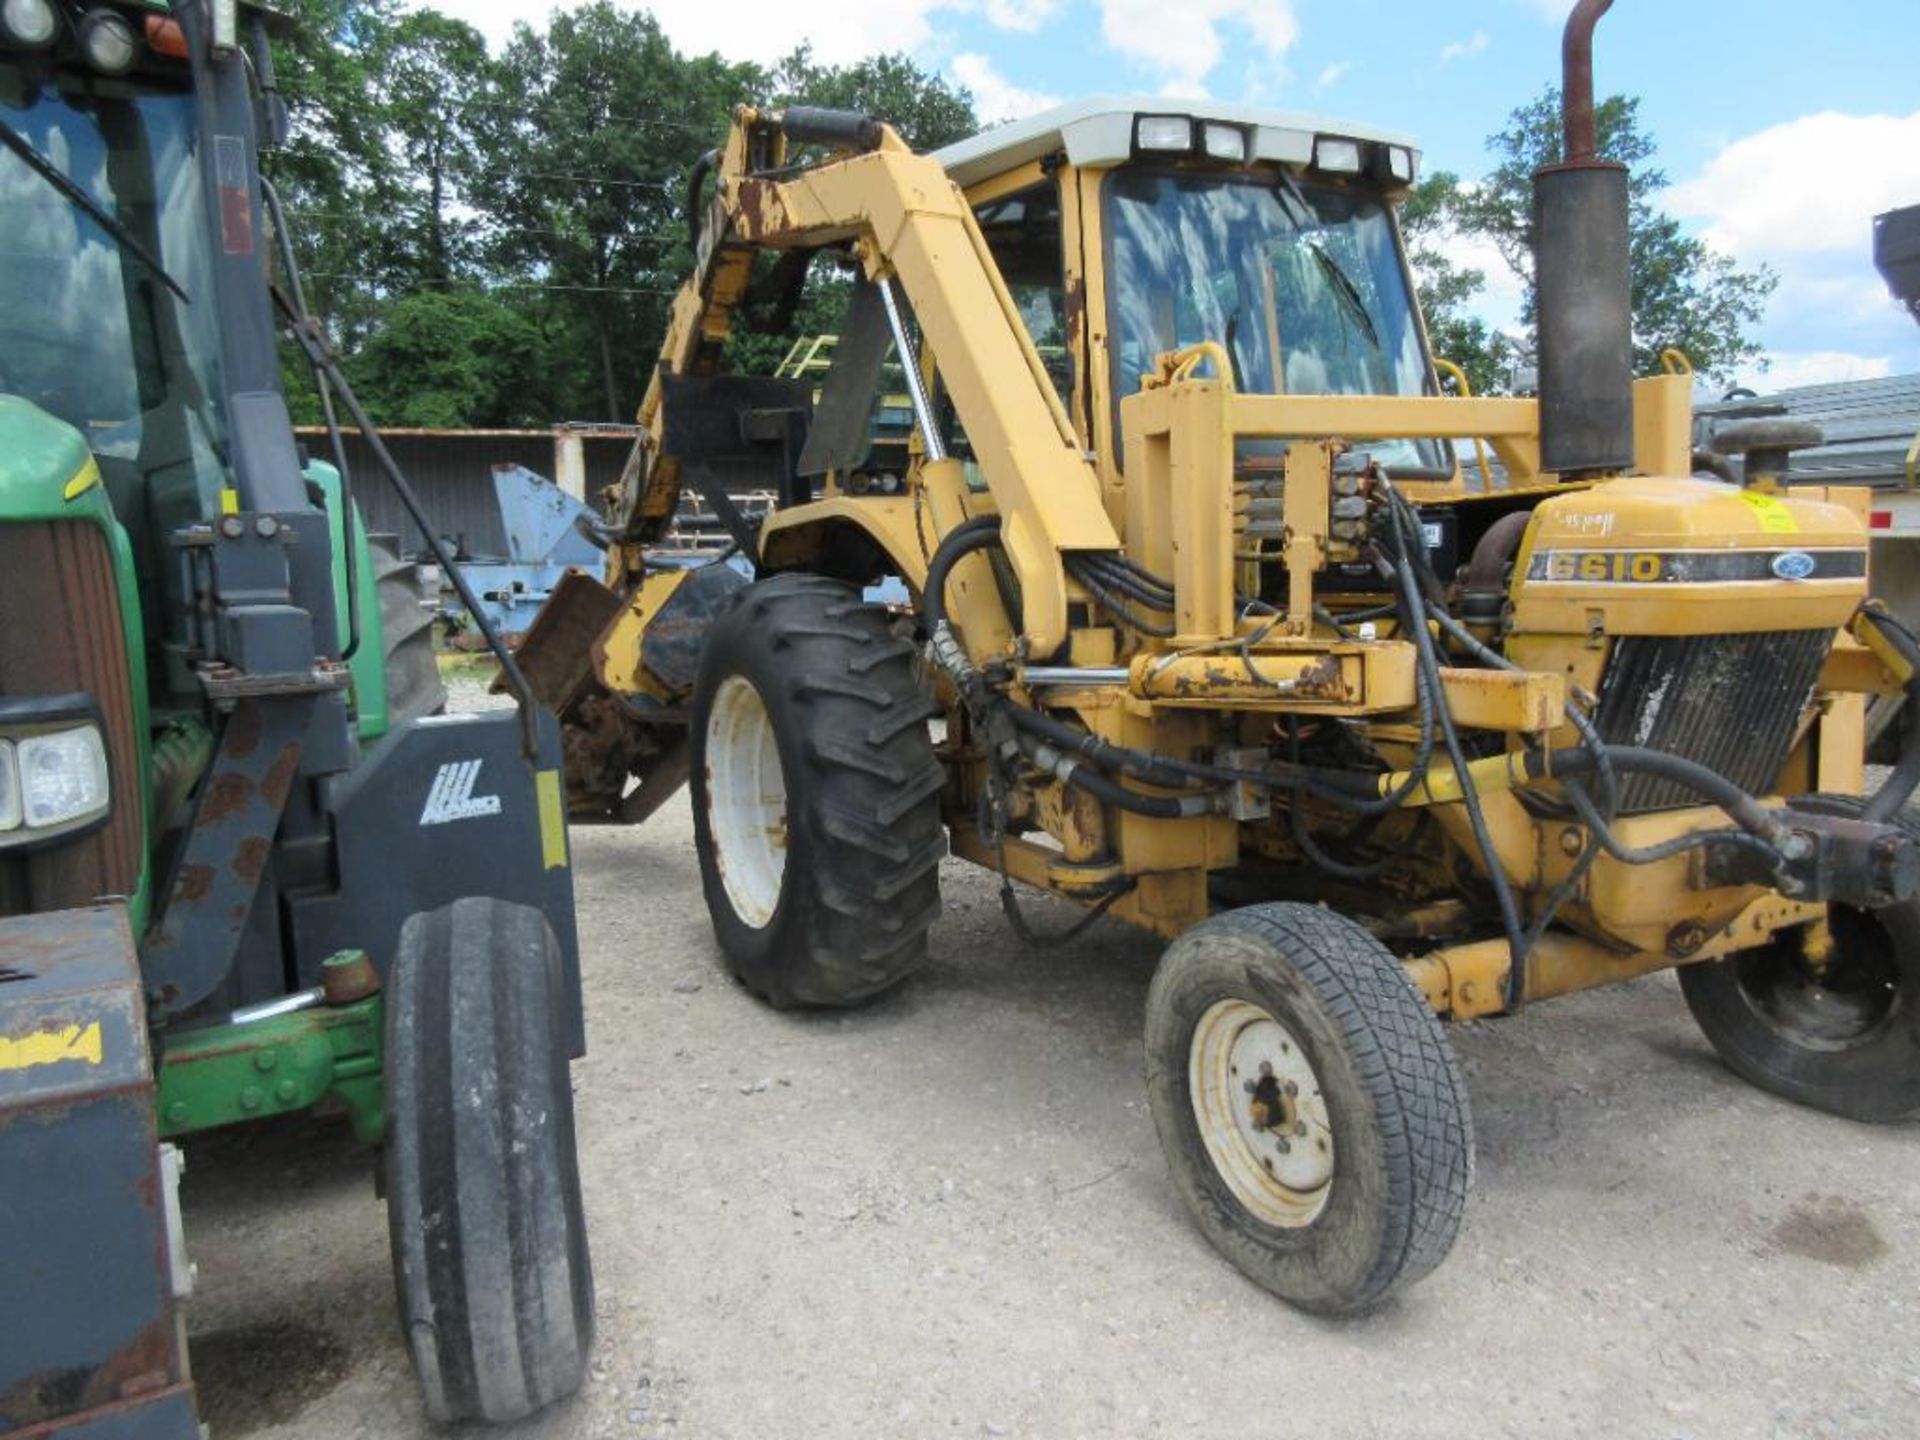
column 1342, row 157
column 9, row 788
column 107, row 42
column 62, row 776
column 27, row 24
column 1163, row 132
column 1400, row 163
column 1225, row 142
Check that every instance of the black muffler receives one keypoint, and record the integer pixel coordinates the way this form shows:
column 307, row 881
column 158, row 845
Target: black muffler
column 1584, row 300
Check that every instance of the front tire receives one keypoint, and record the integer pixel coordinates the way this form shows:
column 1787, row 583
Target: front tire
column 1845, row 1040
column 815, row 795
column 1309, row 1105
column 483, row 1179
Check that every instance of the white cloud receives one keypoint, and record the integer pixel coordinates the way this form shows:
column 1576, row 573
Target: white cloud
column 1787, row 370
column 1500, row 301
column 1330, row 76
column 1184, row 45
column 764, row 30
column 1023, row 15
column 1809, row 184
column 1184, row 90
column 1800, row 198
column 1465, row 49
column 995, row 97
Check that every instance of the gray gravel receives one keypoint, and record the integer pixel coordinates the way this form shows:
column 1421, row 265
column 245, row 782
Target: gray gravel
column 946, row 1215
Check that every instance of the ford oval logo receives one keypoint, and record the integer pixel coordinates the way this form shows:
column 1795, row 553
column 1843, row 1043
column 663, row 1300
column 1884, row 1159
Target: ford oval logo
column 1793, row 565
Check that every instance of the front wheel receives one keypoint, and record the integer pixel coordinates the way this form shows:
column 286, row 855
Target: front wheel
column 483, row 1180
column 1309, row 1105
column 1837, row 1029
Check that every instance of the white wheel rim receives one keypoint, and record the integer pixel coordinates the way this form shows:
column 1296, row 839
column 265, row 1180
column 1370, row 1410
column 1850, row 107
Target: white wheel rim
column 746, row 801
column 1262, row 1116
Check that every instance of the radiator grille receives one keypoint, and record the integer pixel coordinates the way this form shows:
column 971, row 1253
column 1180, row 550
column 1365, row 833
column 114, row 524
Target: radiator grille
column 60, row 634
column 1730, row 702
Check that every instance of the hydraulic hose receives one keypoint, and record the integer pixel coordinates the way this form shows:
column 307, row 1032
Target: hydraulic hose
column 1070, row 771
column 1747, row 812
column 948, row 653
column 696, row 182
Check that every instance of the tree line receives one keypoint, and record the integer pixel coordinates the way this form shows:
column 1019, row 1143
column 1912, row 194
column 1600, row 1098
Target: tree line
column 492, row 239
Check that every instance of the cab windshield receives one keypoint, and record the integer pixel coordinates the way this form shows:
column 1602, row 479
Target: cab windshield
column 89, row 331
column 1302, row 285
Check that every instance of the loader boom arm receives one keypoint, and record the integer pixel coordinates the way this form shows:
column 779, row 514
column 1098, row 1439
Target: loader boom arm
column 907, row 225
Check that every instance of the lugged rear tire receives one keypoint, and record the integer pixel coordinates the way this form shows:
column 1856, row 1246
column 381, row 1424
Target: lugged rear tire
column 1847, row 1041
column 483, row 1178
column 816, row 804
column 414, row 686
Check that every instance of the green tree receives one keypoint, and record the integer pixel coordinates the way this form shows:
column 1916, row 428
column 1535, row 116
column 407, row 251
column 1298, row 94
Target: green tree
column 1685, row 294
column 1447, row 290
column 434, row 73
column 926, row 110
column 596, row 125
column 453, row 358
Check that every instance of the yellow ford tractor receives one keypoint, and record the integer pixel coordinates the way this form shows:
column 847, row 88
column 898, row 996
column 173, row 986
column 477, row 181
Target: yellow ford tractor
column 1211, row 635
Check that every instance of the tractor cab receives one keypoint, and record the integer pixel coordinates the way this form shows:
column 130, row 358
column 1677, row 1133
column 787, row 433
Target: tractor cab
column 110, row 304
column 1127, row 229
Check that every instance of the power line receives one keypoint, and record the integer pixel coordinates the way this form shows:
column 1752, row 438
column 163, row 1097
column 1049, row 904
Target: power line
column 658, row 237
column 490, row 285
column 707, row 132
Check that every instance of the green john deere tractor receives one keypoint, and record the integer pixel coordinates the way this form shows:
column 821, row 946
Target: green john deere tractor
column 245, row 869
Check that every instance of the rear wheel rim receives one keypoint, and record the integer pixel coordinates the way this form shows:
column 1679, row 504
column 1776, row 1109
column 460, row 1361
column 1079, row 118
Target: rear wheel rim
column 1845, row 1006
column 1261, row 1114
column 746, row 801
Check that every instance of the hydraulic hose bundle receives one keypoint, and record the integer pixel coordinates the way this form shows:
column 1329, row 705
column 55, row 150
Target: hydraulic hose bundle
column 1587, row 773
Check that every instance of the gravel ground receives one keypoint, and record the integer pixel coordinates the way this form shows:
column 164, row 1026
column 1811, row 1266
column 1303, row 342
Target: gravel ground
column 946, row 1215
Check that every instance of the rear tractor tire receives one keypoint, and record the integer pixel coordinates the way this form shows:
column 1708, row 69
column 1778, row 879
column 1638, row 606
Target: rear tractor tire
column 816, row 804
column 414, row 687
column 1844, row 1039
column 1310, row 1107
column 482, row 1176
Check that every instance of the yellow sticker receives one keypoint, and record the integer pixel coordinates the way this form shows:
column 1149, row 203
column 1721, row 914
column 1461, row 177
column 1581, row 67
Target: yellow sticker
column 1774, row 515
column 553, row 819
column 229, row 501
column 84, row 479
column 50, row 1047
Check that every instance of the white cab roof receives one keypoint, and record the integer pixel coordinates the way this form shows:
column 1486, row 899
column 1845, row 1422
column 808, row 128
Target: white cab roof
column 1099, row 131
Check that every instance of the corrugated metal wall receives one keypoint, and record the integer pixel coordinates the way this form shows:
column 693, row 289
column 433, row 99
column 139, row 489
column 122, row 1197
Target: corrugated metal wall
column 1869, row 426
column 452, row 472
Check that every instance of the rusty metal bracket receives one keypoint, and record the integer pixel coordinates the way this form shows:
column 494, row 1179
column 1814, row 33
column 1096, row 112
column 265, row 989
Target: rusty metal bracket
column 191, row 946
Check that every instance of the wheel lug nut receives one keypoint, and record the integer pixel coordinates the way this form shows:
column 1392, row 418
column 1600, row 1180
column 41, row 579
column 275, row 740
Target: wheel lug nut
column 1248, row 1086
column 1266, row 1070
column 1299, row 1127
column 1284, row 1147
column 1292, row 1088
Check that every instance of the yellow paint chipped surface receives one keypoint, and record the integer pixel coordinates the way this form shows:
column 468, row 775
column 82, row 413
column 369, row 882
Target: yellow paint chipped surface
column 51, row 1046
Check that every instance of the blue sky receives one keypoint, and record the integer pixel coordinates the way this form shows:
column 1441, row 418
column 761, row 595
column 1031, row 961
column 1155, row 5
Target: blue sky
column 1783, row 127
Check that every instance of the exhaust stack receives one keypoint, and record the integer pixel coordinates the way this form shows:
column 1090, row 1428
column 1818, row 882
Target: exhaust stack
column 1585, row 298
